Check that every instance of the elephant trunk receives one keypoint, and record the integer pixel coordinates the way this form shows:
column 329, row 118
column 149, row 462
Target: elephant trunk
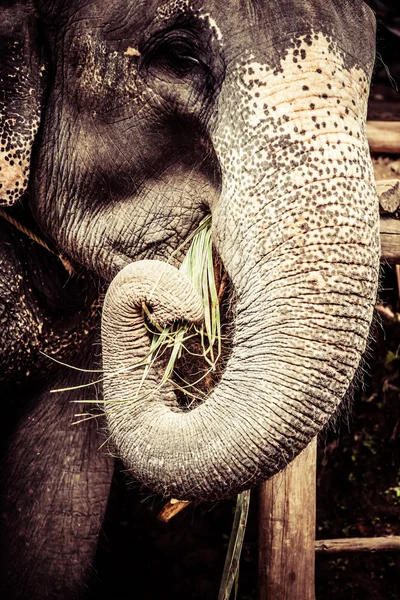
column 297, row 229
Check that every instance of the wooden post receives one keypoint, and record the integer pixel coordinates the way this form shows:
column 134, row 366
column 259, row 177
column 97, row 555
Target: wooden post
column 390, row 240
column 286, row 543
column 384, row 136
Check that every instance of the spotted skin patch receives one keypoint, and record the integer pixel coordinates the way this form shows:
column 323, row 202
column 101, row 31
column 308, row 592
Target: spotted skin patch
column 299, row 194
column 21, row 95
column 27, row 327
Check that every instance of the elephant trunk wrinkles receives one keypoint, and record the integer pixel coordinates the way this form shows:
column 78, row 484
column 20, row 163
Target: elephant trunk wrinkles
column 297, row 229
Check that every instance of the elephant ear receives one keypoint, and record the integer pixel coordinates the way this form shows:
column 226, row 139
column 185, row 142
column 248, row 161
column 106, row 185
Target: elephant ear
column 21, row 95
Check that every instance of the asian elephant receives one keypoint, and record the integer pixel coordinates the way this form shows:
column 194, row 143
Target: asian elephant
column 122, row 124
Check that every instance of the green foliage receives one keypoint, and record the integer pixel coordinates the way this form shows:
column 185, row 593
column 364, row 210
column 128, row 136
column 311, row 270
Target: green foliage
column 391, row 357
column 393, row 494
column 199, row 269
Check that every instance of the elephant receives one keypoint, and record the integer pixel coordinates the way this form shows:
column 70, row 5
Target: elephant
column 122, row 125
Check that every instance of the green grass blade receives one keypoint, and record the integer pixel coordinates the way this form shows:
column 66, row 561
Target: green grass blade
column 231, row 566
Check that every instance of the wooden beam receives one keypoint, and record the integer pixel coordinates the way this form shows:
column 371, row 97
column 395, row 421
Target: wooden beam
column 390, row 240
column 286, row 543
column 388, row 191
column 384, row 136
column 377, row 544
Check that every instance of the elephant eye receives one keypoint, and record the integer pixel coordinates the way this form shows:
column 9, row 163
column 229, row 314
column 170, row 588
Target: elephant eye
column 177, row 55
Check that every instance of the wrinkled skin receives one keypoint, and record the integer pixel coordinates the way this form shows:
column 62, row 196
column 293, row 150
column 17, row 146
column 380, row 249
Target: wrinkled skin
column 123, row 124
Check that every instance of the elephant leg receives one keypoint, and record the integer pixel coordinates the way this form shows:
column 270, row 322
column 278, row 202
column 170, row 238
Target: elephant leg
column 55, row 484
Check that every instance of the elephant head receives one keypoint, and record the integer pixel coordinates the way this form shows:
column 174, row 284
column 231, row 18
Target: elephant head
column 155, row 113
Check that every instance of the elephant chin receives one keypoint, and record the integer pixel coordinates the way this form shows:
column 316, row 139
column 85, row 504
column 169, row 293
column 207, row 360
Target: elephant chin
column 296, row 226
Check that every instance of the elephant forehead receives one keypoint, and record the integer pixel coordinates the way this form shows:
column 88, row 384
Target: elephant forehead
column 199, row 9
column 267, row 27
column 314, row 101
column 270, row 24
column 294, row 154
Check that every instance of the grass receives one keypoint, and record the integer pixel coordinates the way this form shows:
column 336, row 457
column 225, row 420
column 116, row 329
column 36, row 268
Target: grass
column 230, row 575
column 198, row 267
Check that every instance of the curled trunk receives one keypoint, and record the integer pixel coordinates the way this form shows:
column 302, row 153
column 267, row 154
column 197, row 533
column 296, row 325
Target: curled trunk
column 297, row 229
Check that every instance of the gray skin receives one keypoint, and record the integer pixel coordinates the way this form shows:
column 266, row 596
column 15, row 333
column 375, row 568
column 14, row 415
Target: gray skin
column 122, row 124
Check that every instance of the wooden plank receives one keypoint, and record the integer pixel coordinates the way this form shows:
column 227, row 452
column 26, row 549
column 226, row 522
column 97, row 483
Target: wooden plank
column 286, row 543
column 390, row 240
column 388, row 191
column 384, row 136
column 377, row 544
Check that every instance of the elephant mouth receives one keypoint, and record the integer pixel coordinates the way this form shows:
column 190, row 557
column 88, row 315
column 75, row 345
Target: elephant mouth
column 194, row 376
